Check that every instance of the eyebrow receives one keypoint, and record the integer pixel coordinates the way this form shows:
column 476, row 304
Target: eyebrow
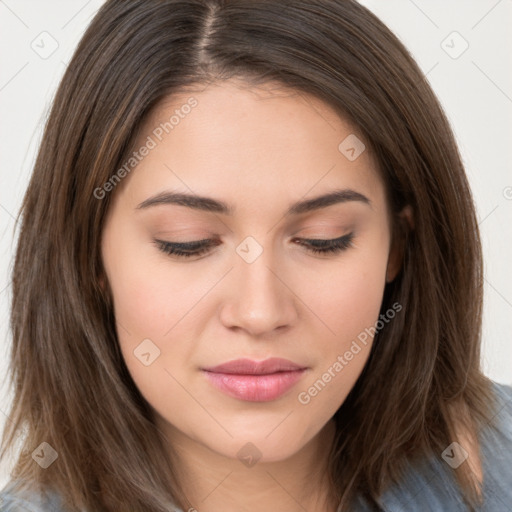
column 209, row 204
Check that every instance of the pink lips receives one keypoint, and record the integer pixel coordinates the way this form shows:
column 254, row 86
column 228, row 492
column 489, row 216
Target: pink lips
column 255, row 381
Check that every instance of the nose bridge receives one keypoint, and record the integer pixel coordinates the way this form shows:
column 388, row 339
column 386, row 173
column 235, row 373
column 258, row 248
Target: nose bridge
column 258, row 278
column 261, row 301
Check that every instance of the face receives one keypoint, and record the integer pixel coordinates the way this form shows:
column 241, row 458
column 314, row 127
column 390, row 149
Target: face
column 201, row 283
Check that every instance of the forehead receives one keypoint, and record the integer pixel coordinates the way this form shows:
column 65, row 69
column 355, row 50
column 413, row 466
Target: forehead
column 268, row 143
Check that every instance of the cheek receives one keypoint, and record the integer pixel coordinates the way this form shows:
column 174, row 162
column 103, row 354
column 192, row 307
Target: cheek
column 347, row 295
column 140, row 304
column 348, row 300
column 147, row 293
column 149, row 301
column 153, row 300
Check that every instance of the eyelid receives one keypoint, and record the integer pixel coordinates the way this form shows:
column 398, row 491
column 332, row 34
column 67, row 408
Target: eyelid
column 318, row 246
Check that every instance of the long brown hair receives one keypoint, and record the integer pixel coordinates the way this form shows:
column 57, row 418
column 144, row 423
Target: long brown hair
column 71, row 386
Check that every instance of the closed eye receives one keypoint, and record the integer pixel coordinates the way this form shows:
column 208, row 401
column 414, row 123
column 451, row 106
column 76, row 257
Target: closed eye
column 335, row 245
column 199, row 247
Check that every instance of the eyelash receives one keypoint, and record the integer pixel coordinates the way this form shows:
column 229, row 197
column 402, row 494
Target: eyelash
column 199, row 247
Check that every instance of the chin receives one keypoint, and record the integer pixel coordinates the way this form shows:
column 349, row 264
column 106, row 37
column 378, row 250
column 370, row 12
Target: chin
column 260, row 446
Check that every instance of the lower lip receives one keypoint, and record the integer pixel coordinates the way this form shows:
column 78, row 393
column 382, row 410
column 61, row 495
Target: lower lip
column 255, row 388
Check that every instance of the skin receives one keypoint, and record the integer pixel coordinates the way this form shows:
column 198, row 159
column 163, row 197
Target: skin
column 259, row 150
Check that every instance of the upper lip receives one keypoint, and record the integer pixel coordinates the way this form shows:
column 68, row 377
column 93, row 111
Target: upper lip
column 249, row 367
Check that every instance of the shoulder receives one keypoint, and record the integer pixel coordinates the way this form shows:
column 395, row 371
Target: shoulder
column 496, row 451
column 430, row 484
column 503, row 410
column 15, row 499
column 496, row 436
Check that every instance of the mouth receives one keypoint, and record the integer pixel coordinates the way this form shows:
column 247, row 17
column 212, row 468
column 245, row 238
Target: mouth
column 254, row 381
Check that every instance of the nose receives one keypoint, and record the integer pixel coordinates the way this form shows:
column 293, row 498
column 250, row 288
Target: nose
column 259, row 297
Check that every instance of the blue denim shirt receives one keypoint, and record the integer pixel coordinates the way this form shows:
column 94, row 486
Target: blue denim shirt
column 427, row 487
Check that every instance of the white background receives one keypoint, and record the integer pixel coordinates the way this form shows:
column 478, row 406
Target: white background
column 475, row 89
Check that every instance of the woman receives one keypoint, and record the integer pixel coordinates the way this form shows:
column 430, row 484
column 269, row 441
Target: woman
column 249, row 275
